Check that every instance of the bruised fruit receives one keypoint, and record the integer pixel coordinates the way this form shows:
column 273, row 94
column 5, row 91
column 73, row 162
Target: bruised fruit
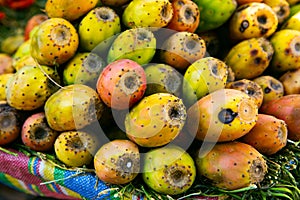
column 73, row 107
column 291, row 82
column 232, row 165
column 75, row 148
column 286, row 108
column 169, row 170
column 181, row 49
column 151, row 13
column 156, row 120
column 54, row 42
column 3, row 80
column 6, row 64
column 268, row 136
column 280, row 7
column 117, row 162
column 223, row 115
column 36, row 133
column 121, row 84
column 30, row 87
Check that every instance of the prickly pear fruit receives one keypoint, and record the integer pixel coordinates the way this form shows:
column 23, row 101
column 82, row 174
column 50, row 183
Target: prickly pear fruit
column 30, row 87
column 163, row 78
column 83, row 68
column 286, row 50
column 232, row 165
column 202, row 77
column 181, row 49
column 117, row 162
column 156, row 120
column 292, row 23
column 272, row 88
column 212, row 42
column 268, row 136
column 251, row 88
column 36, row 133
column 241, row 2
column 3, row 80
column 114, row 3
column 69, row 9
column 151, row 13
column 10, row 44
column 169, row 170
column 214, row 14
column 186, row 16
column 252, row 20
column 101, row 21
column 75, row 148
column 10, row 123
column 286, row 108
column 250, row 58
column 223, row 115
column 23, row 50
column 290, row 81
column 34, row 21
column 140, row 46
column 121, row 84
column 280, row 7
column 293, row 2
column 73, row 107
column 6, row 64
column 24, row 61
column 54, row 42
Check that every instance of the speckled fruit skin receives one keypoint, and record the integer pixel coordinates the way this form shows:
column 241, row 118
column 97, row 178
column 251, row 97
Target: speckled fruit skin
column 6, row 64
column 140, row 46
column 36, row 133
column 286, row 108
column 29, row 87
column 272, row 88
column 10, row 123
column 156, row 120
column 69, row 9
column 117, row 162
column 252, row 20
column 280, row 7
column 181, row 49
column 54, row 42
column 268, row 136
column 121, row 84
column 73, row 107
column 250, row 58
column 101, row 21
column 75, row 148
column 151, row 13
column 223, row 115
column 3, row 80
column 169, row 170
column 232, row 165
column 290, row 81
column 34, row 21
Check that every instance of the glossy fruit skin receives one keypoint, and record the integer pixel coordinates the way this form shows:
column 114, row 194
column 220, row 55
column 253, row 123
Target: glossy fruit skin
column 75, row 148
column 160, row 166
column 250, row 58
column 291, row 82
column 29, row 87
column 268, row 136
column 36, row 133
column 285, row 108
column 140, row 46
column 3, row 80
column 223, row 115
column 73, row 107
column 186, row 16
column 232, row 165
column 117, row 162
column 57, row 48
column 151, row 13
column 156, row 120
column 121, row 84
column 252, row 20
column 293, row 22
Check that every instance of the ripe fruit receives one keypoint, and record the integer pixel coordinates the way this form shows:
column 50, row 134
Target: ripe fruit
column 34, row 21
column 6, row 64
column 121, row 84
column 36, row 133
column 291, row 82
column 280, row 7
column 75, row 148
column 117, row 162
column 151, row 13
column 181, row 49
column 54, row 42
column 232, row 165
column 3, row 80
column 169, row 170
column 156, row 120
column 223, row 115
column 73, row 107
column 268, row 136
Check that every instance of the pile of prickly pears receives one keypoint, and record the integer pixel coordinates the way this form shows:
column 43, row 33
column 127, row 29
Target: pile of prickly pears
column 172, row 99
